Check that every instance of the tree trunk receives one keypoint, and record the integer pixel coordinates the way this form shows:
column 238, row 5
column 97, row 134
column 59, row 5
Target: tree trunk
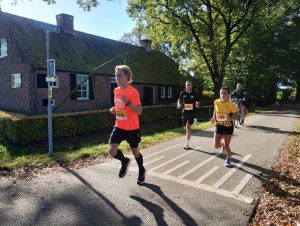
column 218, row 82
column 298, row 91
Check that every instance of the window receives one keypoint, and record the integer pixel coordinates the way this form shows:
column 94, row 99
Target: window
column 41, row 81
column 82, row 83
column 16, row 81
column 162, row 92
column 55, row 84
column 169, row 92
column 3, row 48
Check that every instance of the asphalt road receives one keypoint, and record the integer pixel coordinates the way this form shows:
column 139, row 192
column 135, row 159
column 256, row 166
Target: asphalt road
column 183, row 187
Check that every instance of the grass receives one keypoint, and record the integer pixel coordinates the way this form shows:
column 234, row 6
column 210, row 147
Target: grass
column 93, row 145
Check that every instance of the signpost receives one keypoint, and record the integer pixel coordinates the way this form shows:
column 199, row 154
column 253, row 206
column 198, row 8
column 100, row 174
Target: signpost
column 50, row 77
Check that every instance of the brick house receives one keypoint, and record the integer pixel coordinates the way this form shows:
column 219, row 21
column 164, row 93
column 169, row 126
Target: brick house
column 23, row 87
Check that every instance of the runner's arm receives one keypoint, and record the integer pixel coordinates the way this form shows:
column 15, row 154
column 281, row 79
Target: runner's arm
column 112, row 110
column 136, row 108
column 213, row 119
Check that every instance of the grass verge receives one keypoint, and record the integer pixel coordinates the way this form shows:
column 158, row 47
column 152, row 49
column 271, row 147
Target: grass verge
column 94, row 145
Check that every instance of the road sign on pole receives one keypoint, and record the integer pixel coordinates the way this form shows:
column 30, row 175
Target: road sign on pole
column 50, row 73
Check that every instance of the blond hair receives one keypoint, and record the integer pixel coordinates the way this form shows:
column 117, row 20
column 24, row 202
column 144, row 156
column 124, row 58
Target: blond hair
column 127, row 71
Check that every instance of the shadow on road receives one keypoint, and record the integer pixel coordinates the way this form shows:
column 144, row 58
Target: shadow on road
column 126, row 221
column 266, row 129
column 185, row 217
column 155, row 209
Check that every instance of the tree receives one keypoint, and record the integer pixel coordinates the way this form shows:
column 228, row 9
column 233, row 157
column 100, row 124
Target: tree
column 269, row 54
column 199, row 30
column 132, row 37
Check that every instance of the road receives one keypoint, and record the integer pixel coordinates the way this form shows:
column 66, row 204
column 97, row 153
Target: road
column 183, row 187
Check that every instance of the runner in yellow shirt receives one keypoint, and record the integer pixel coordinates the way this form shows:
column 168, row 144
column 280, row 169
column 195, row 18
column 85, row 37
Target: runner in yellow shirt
column 224, row 113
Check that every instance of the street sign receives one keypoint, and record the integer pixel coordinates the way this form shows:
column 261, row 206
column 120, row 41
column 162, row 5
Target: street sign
column 51, row 79
column 51, row 67
column 47, row 27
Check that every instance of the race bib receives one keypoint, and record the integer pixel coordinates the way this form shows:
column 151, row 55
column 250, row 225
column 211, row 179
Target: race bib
column 188, row 106
column 221, row 117
column 121, row 115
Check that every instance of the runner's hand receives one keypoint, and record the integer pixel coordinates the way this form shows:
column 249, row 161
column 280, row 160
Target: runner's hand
column 197, row 104
column 228, row 118
column 212, row 120
column 124, row 99
column 113, row 110
column 179, row 106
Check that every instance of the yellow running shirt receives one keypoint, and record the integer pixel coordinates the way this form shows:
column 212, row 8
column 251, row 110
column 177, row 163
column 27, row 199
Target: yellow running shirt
column 223, row 110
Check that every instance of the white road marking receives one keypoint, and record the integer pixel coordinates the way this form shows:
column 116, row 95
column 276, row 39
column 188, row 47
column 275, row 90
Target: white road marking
column 153, row 160
column 207, row 174
column 176, row 167
column 171, row 160
column 197, row 166
column 243, row 183
column 232, row 171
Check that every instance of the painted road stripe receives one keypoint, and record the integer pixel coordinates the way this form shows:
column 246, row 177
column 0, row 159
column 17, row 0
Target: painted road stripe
column 197, row 166
column 153, row 160
column 203, row 187
column 243, row 183
column 163, row 150
column 232, row 171
column 171, row 160
column 156, row 153
column 207, row 174
column 176, row 167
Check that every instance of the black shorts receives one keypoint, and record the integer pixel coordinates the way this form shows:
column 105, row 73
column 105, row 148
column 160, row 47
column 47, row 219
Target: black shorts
column 131, row 136
column 224, row 130
column 187, row 119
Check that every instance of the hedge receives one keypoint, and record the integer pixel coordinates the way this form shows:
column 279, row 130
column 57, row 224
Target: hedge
column 23, row 129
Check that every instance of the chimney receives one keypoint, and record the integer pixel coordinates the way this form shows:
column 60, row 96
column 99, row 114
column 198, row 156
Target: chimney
column 65, row 21
column 146, row 44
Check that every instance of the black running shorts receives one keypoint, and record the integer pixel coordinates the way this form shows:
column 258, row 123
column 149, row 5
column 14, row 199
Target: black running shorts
column 224, row 130
column 188, row 119
column 131, row 136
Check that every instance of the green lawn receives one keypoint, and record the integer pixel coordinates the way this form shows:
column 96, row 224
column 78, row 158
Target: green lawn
column 89, row 145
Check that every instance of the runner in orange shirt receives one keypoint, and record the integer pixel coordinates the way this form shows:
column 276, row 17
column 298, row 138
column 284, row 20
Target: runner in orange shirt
column 127, row 110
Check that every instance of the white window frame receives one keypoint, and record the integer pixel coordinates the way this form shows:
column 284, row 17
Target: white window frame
column 162, row 92
column 12, row 81
column 55, row 85
column 3, row 47
column 87, row 87
column 169, row 92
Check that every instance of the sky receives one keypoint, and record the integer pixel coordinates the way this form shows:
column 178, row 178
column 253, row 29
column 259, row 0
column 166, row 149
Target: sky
column 109, row 19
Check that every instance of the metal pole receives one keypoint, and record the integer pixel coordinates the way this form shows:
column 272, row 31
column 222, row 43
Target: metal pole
column 50, row 138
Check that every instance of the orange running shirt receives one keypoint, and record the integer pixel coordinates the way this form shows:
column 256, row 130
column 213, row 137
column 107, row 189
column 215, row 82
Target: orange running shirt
column 126, row 118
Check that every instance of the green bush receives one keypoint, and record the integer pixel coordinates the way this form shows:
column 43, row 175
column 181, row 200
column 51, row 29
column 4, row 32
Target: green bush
column 29, row 129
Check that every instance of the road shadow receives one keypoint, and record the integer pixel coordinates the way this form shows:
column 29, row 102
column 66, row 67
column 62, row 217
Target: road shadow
column 134, row 220
column 266, row 129
column 184, row 216
column 156, row 210
column 222, row 156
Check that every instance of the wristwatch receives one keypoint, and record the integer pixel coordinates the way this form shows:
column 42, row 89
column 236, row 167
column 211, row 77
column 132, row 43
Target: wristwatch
column 128, row 103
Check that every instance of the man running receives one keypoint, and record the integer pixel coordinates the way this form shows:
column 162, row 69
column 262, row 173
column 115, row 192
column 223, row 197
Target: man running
column 188, row 101
column 127, row 110
column 239, row 94
column 224, row 113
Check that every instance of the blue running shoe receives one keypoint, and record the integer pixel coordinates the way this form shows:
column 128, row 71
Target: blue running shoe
column 228, row 163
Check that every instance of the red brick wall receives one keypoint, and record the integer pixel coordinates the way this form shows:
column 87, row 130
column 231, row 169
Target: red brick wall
column 16, row 100
column 101, row 95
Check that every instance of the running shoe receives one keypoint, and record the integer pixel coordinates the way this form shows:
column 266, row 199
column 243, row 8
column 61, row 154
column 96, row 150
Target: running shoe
column 186, row 146
column 124, row 167
column 228, row 163
column 141, row 177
